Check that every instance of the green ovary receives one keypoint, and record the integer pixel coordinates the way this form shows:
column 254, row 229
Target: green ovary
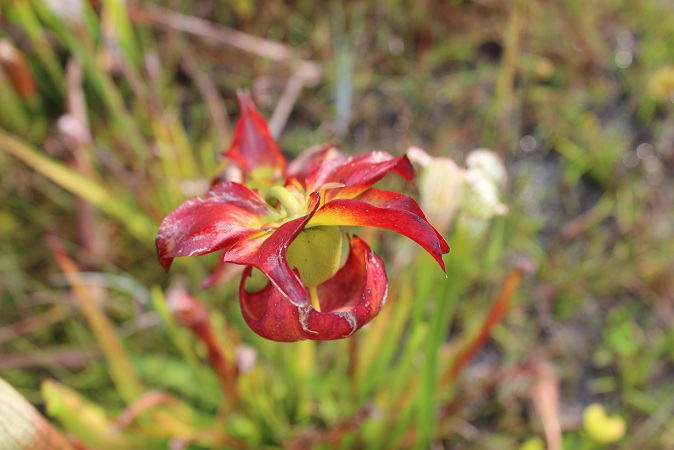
column 316, row 254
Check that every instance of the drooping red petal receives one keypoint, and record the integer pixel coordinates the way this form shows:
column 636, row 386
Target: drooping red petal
column 357, row 173
column 253, row 146
column 394, row 200
column 349, row 300
column 345, row 212
column 268, row 254
column 228, row 212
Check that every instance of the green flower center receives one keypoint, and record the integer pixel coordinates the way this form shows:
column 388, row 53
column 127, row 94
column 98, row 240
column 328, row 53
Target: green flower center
column 316, row 254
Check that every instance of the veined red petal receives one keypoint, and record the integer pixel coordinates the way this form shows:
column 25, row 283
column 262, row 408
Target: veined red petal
column 357, row 173
column 359, row 213
column 394, row 200
column 253, row 146
column 268, row 254
column 228, row 212
column 349, row 300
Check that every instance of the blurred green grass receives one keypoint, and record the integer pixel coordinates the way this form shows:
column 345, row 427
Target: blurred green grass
column 575, row 96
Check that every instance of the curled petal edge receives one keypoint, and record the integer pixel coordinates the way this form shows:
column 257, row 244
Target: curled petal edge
column 349, row 300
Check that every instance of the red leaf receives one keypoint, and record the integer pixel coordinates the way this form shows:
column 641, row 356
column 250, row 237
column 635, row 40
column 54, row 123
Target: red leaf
column 253, row 146
column 349, row 300
column 228, row 212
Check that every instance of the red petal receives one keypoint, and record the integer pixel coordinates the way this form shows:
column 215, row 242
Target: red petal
column 394, row 200
column 228, row 212
column 253, row 146
column 359, row 213
column 268, row 254
column 357, row 173
column 349, row 300
column 310, row 159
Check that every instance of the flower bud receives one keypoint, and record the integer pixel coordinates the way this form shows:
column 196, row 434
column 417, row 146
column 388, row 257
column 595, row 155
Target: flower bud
column 474, row 192
column 440, row 186
column 481, row 196
column 489, row 164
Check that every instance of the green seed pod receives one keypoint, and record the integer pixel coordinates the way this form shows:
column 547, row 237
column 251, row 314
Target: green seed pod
column 316, row 254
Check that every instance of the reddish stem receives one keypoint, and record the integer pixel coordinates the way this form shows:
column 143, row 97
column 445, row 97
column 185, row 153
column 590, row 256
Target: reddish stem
column 190, row 312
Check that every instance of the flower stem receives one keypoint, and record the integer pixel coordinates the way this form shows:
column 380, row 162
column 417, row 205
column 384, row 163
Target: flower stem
column 313, row 293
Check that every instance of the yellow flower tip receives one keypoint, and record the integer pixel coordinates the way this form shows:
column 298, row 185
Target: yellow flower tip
column 600, row 427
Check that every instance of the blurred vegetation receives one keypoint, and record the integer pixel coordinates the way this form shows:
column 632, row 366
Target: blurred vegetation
column 112, row 113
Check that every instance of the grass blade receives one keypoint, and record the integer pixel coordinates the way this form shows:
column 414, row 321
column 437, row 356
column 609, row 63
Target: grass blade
column 136, row 223
column 119, row 364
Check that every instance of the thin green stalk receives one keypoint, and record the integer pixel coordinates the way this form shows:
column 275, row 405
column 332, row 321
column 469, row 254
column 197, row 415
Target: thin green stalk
column 31, row 25
column 14, row 115
column 446, row 298
column 101, row 81
column 378, row 350
column 397, row 399
column 116, row 18
column 425, row 285
column 504, row 92
column 302, row 371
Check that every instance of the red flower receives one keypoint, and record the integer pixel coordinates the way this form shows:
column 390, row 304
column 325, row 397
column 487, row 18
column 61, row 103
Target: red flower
column 288, row 229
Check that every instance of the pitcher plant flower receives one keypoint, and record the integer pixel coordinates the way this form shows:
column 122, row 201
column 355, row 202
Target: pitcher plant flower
column 286, row 230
